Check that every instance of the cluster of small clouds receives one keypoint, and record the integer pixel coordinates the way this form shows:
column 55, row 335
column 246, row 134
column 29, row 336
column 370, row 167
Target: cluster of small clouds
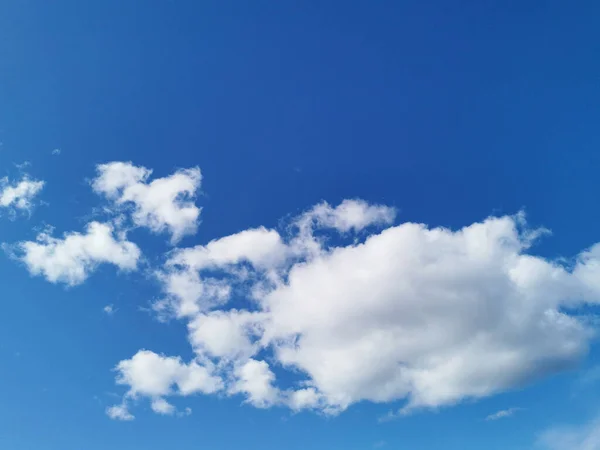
column 162, row 205
column 352, row 306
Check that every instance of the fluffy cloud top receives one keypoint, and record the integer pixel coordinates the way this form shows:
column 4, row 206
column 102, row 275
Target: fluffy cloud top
column 427, row 316
column 164, row 204
column 71, row 259
column 19, row 195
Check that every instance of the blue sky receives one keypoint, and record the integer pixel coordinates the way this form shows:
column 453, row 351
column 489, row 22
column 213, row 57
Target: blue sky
column 263, row 225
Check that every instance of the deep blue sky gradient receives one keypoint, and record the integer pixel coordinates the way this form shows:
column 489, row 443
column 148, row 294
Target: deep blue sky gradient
column 450, row 111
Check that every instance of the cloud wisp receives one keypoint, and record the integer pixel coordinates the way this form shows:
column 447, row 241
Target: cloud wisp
column 502, row 414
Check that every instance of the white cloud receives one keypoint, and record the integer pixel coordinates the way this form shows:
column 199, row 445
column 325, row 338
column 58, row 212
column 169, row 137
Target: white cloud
column 161, row 406
column 56, row 151
column 164, row 204
column 109, row 310
column 150, row 375
column 585, row 437
column 153, row 375
column 301, row 399
column 425, row 316
column 255, row 379
column 189, row 295
column 71, row 259
column 226, row 334
column 433, row 316
column 260, row 247
column 19, row 195
column 350, row 215
column 116, row 176
column 503, row 414
column 119, row 412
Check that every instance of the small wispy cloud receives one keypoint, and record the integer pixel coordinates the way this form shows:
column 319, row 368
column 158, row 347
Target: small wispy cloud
column 56, row 151
column 503, row 414
column 22, row 166
column 398, row 414
column 119, row 412
column 185, row 412
column 379, row 444
column 109, row 310
column 391, row 415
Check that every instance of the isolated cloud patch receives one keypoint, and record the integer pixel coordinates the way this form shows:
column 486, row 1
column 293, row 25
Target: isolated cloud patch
column 163, row 204
column 350, row 215
column 19, row 196
column 155, row 376
column 119, row 412
column 161, row 406
column 429, row 316
column 502, row 414
column 70, row 260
